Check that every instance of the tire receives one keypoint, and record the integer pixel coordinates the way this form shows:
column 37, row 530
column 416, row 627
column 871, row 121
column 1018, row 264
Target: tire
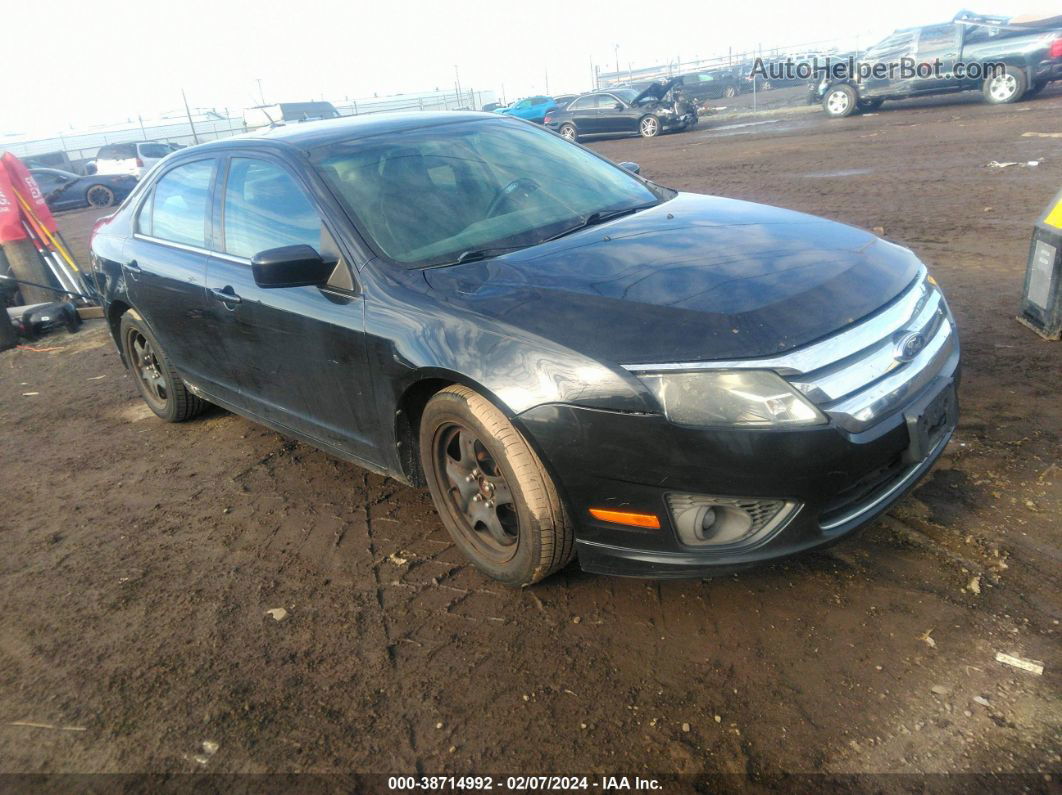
column 569, row 133
column 1005, row 88
column 840, row 101
column 870, row 105
column 730, row 92
column 494, row 496
column 99, row 196
column 159, row 385
column 649, row 126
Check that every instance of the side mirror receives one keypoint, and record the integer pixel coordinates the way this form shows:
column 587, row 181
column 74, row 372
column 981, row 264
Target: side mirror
column 618, row 106
column 634, row 168
column 290, row 266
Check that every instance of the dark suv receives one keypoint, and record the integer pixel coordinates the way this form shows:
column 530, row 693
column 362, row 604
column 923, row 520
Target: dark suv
column 575, row 360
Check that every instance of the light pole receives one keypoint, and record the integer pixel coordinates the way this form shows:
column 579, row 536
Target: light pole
column 617, row 58
column 261, row 95
column 457, row 77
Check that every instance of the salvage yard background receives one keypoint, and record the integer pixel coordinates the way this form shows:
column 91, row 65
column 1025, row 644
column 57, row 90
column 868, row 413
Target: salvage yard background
column 139, row 558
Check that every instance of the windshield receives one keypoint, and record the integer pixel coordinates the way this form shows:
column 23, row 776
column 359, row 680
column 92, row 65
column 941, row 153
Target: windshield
column 626, row 94
column 425, row 197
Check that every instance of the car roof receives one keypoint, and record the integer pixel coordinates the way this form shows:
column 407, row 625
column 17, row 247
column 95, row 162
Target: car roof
column 312, row 134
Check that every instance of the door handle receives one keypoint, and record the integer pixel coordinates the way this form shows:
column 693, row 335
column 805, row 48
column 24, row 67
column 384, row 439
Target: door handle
column 133, row 268
column 226, row 295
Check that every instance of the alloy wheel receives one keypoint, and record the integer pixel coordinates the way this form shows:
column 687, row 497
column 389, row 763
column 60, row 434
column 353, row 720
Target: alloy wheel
column 837, row 102
column 649, row 126
column 147, row 369
column 568, row 132
column 479, row 497
column 100, row 196
column 1003, row 87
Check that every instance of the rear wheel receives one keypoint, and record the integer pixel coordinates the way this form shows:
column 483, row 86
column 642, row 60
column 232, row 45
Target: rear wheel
column 1006, row 87
column 568, row 133
column 840, row 101
column 649, row 126
column 99, row 196
column 495, row 497
column 159, row 385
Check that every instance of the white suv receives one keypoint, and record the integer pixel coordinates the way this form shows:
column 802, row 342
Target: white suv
column 131, row 158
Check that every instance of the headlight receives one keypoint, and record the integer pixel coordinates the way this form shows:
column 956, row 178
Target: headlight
column 753, row 398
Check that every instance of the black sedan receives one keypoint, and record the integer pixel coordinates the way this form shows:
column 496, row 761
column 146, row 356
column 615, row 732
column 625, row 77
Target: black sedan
column 647, row 112
column 574, row 360
column 66, row 191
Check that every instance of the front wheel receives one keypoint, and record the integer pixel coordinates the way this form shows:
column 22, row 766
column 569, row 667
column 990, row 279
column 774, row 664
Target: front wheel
column 730, row 92
column 495, row 497
column 99, row 196
column 158, row 382
column 1006, row 87
column 568, row 133
column 840, row 101
column 649, row 126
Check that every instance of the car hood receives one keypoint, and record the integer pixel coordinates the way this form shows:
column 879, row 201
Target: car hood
column 694, row 278
column 656, row 91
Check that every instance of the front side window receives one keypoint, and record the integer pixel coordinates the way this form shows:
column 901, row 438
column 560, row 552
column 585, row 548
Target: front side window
column 583, row 103
column 266, row 208
column 426, row 196
column 180, row 204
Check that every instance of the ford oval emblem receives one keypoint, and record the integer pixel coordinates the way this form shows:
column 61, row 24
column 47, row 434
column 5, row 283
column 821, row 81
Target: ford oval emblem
column 909, row 346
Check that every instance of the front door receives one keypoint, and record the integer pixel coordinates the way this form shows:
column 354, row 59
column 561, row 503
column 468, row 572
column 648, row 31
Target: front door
column 296, row 356
column 938, row 49
column 616, row 116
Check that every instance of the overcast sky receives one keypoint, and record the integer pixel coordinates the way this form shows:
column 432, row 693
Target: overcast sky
column 79, row 62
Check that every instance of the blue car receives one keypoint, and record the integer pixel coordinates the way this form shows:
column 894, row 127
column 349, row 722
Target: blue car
column 530, row 108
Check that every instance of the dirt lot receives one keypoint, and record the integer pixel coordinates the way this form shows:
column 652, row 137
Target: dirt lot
column 139, row 558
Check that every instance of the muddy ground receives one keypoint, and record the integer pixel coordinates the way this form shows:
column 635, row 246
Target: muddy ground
column 139, row 558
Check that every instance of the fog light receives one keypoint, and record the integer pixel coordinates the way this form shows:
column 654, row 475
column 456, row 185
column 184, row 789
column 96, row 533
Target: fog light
column 727, row 522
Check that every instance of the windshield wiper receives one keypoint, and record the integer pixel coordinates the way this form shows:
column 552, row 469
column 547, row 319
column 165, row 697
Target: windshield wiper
column 476, row 254
column 600, row 217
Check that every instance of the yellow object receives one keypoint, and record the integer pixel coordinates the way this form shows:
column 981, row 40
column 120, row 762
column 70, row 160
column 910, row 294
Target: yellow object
column 51, row 239
column 1054, row 218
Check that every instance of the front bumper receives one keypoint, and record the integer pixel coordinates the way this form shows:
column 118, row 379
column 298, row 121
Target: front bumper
column 843, row 480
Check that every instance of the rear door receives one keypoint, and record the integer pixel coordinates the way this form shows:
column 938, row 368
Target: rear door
column 585, row 114
column 165, row 265
column 295, row 356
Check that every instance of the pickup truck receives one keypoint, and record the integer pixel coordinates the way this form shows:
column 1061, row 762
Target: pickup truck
column 1004, row 58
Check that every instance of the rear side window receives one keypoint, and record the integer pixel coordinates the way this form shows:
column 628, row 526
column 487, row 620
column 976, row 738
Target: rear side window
column 180, row 203
column 265, row 208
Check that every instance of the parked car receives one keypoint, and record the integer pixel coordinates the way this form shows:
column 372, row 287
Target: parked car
column 490, row 107
column 563, row 100
column 1030, row 52
column 63, row 190
column 531, row 108
column 134, row 158
column 714, row 84
column 574, row 360
column 649, row 112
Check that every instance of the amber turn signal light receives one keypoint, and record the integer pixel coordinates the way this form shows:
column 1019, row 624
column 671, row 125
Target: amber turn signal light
column 647, row 520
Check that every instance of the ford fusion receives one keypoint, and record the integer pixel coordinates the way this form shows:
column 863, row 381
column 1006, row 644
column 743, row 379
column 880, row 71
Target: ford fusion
column 577, row 362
